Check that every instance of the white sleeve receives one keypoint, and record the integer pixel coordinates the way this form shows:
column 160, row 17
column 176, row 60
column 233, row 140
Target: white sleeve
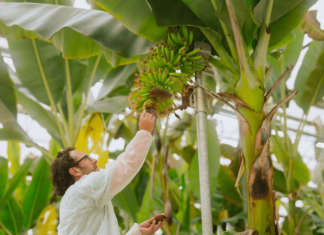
column 134, row 230
column 128, row 164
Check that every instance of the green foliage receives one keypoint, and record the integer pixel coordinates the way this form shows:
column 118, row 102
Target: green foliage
column 19, row 211
column 7, row 89
column 37, row 112
column 310, row 77
column 38, row 193
column 285, row 154
column 166, row 15
column 136, row 15
column 15, row 181
column 166, row 73
column 11, row 216
column 127, row 201
column 3, row 175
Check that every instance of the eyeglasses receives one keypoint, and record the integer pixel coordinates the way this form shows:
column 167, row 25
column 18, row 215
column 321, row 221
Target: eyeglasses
column 84, row 157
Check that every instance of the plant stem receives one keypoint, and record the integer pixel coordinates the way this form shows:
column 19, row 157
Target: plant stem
column 284, row 116
column 48, row 91
column 229, row 40
column 64, row 122
column 84, row 103
column 152, row 177
column 5, row 229
column 69, row 99
column 238, row 38
column 263, row 43
column 226, row 33
column 225, row 58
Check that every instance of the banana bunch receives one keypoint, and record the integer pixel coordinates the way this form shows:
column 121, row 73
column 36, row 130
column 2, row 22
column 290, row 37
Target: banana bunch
column 165, row 71
column 181, row 37
column 164, row 56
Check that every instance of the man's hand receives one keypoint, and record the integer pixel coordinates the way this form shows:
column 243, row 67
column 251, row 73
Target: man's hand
column 150, row 226
column 147, row 122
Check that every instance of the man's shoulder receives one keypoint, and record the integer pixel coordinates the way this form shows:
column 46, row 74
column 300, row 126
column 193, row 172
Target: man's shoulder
column 87, row 181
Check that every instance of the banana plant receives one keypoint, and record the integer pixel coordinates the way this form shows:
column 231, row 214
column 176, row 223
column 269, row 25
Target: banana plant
column 242, row 60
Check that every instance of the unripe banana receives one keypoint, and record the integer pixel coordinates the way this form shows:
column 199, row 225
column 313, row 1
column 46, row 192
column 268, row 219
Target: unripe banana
column 185, row 33
column 174, row 38
column 168, row 51
column 193, row 52
column 195, row 58
column 190, row 38
column 171, row 56
column 179, row 38
column 182, row 50
column 158, row 70
column 177, row 60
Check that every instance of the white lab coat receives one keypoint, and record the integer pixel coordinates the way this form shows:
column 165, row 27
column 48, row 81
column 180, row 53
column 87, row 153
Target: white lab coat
column 86, row 207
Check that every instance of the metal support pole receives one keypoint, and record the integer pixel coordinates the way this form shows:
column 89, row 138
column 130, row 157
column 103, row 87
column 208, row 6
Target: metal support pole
column 201, row 121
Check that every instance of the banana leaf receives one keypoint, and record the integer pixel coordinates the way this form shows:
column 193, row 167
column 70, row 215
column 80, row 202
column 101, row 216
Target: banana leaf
column 98, row 26
column 310, row 78
column 37, row 194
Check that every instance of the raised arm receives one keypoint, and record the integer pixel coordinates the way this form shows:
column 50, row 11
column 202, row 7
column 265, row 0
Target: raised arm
column 130, row 162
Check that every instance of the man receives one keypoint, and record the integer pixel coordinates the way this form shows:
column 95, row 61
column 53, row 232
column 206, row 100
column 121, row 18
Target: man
column 86, row 206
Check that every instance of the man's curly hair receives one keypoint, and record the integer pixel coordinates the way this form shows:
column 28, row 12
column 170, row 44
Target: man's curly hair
column 61, row 177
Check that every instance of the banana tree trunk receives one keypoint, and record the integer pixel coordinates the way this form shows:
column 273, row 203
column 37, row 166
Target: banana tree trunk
column 255, row 125
column 255, row 132
column 201, row 121
column 254, row 139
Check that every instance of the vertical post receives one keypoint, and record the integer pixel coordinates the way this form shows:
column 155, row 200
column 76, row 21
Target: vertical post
column 201, row 121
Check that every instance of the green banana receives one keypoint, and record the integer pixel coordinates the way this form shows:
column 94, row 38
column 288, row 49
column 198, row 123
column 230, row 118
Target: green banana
column 160, row 70
column 182, row 50
column 185, row 33
column 177, row 60
column 171, row 59
column 190, row 38
column 179, row 38
column 195, row 58
column 193, row 52
column 174, row 38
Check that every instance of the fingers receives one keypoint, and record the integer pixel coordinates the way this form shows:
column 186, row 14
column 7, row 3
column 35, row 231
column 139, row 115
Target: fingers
column 151, row 229
column 147, row 223
column 155, row 227
column 158, row 225
column 148, row 116
column 150, row 226
column 147, row 122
